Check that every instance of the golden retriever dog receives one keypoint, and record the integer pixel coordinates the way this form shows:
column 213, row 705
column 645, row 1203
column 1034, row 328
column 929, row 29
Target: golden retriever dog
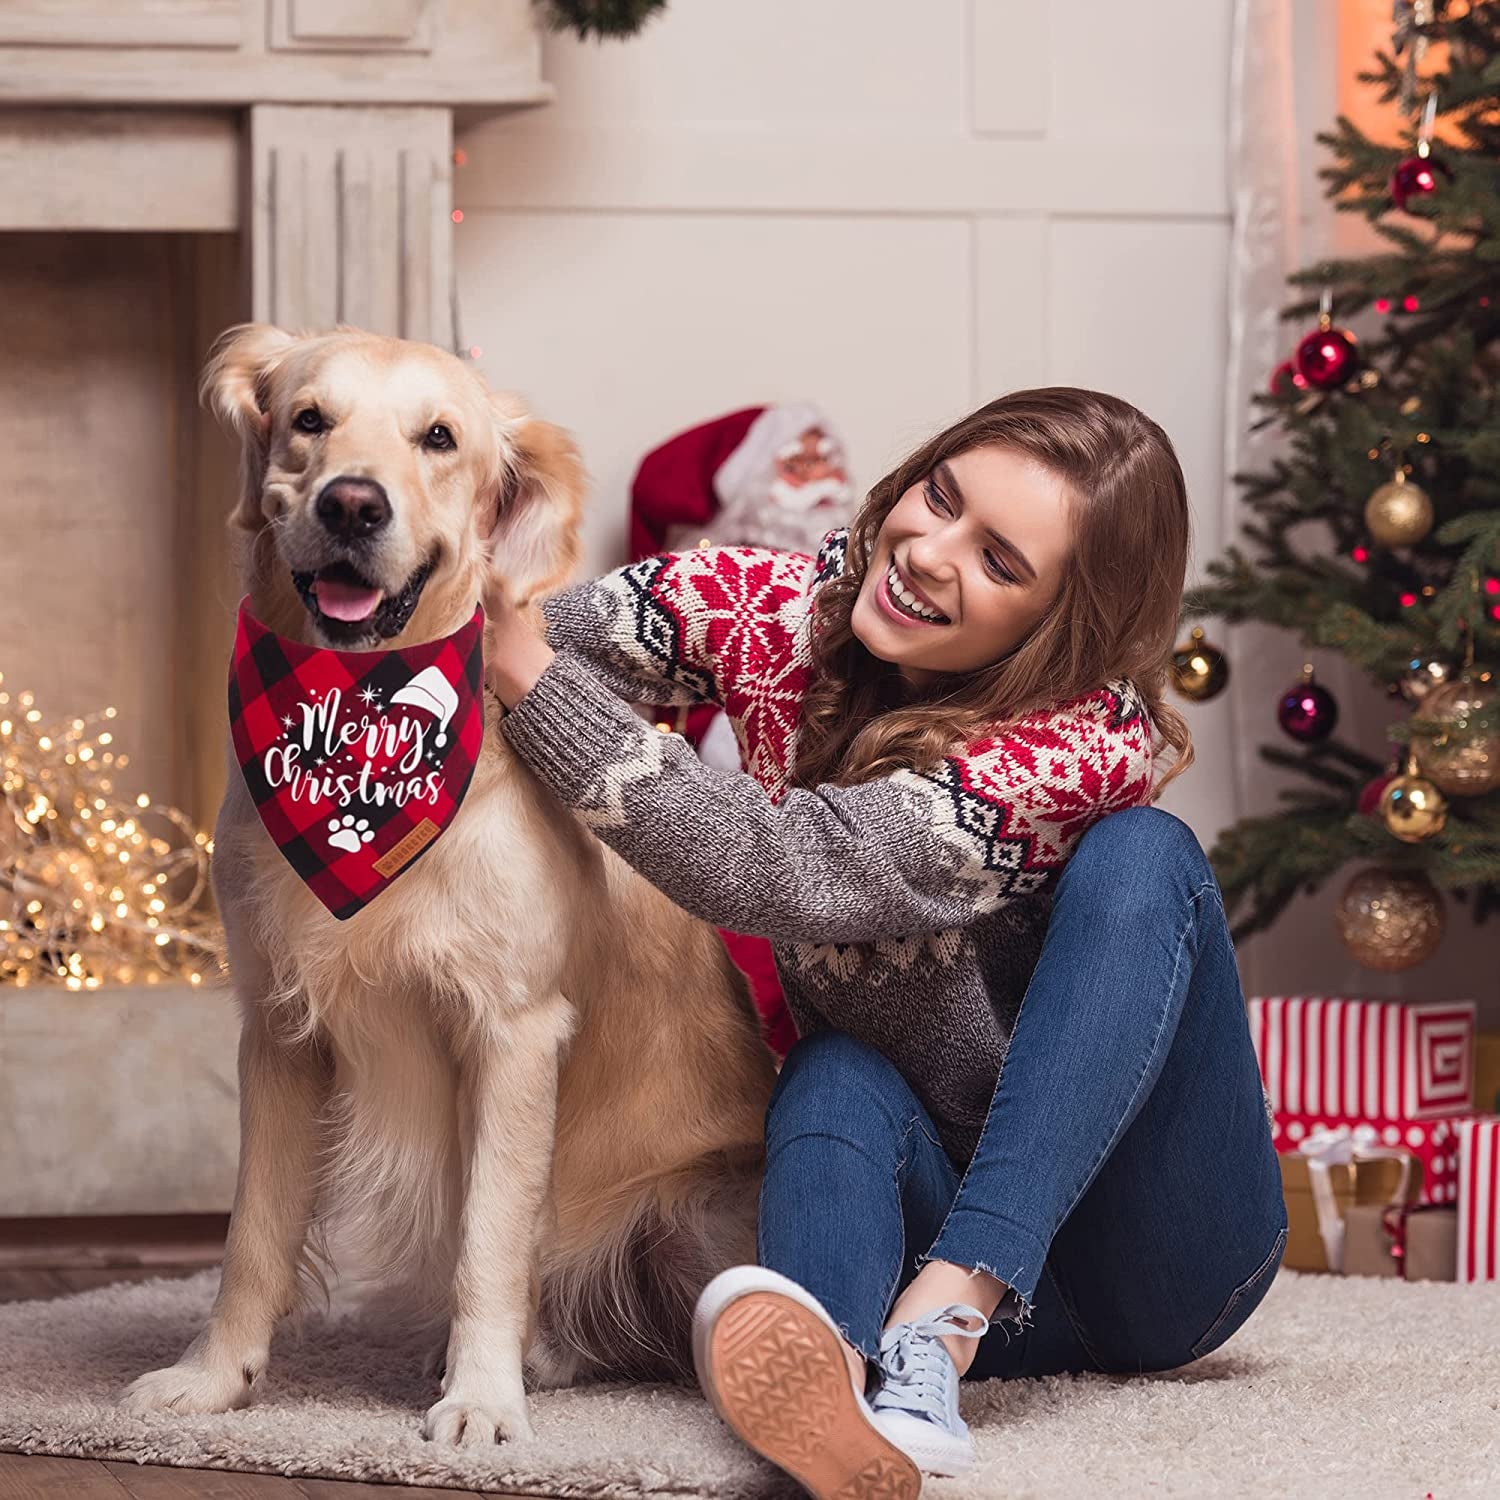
column 524, row 1088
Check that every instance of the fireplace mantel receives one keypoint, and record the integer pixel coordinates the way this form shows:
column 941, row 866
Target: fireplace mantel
column 235, row 53
column 319, row 131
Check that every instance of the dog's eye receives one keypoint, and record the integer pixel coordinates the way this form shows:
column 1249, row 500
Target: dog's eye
column 438, row 437
column 309, row 419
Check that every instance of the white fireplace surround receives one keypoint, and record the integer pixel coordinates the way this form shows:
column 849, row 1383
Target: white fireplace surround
column 318, row 131
column 303, row 148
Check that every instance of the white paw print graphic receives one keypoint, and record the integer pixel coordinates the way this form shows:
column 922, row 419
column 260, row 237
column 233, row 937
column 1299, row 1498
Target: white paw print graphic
column 349, row 832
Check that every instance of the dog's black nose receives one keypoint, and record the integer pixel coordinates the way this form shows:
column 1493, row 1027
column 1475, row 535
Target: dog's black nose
column 352, row 508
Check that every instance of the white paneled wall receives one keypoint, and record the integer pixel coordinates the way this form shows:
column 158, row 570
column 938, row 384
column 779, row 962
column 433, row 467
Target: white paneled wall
column 897, row 208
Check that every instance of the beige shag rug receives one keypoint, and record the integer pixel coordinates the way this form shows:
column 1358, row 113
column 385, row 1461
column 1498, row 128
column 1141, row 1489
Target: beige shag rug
column 1335, row 1388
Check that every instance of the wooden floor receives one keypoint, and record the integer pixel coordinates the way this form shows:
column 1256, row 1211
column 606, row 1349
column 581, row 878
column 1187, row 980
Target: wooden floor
column 53, row 1257
column 33, row 1478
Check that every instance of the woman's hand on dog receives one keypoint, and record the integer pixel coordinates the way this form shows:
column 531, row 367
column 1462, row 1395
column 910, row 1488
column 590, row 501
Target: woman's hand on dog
column 516, row 652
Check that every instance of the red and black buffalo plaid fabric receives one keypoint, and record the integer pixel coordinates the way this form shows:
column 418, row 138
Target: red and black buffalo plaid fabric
column 357, row 760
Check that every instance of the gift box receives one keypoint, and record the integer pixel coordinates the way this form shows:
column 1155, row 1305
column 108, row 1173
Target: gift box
column 1434, row 1143
column 1343, row 1061
column 1478, row 1198
column 1419, row 1244
column 1487, row 1072
column 1336, row 1172
column 1304, row 1246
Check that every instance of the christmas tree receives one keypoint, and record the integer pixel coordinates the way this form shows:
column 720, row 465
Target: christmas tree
column 1390, row 447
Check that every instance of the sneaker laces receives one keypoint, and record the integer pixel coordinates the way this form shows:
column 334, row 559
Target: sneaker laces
column 916, row 1367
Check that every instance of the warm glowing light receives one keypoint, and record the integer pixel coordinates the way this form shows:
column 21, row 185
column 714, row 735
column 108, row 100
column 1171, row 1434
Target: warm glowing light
column 91, row 892
column 1407, row 600
column 457, row 216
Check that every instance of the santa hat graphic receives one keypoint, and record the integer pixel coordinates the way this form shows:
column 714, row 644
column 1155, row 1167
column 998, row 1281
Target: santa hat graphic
column 429, row 689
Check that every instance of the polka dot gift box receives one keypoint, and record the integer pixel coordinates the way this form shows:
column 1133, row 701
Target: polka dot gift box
column 1402, row 1068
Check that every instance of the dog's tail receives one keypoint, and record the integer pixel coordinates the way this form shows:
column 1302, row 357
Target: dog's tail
column 619, row 1303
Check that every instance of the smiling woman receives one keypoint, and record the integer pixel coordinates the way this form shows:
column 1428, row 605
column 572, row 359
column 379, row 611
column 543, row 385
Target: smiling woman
column 952, row 582
column 997, row 956
column 1028, row 553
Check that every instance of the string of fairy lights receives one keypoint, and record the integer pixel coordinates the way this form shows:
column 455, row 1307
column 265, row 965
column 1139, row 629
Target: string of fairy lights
column 95, row 887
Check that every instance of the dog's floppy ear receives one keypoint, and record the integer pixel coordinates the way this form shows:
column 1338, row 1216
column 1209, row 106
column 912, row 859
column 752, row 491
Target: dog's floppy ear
column 533, row 515
column 234, row 387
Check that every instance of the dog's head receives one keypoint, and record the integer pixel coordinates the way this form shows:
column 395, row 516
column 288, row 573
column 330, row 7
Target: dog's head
column 381, row 481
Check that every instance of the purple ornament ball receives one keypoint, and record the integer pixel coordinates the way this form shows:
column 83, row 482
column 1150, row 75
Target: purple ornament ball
column 1307, row 712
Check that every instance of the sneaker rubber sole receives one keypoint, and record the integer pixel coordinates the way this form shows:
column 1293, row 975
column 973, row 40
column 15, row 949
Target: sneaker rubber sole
column 781, row 1381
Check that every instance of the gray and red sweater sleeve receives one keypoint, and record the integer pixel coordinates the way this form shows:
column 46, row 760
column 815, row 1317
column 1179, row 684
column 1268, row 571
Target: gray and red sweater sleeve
column 632, row 626
column 913, row 852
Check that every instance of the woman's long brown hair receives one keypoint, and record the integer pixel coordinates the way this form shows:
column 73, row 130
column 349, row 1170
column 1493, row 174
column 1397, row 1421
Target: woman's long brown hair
column 1115, row 614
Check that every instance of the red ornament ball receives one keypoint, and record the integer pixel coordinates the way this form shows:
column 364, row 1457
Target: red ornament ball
column 1327, row 357
column 1416, row 177
column 1286, row 378
column 1307, row 712
column 1369, row 797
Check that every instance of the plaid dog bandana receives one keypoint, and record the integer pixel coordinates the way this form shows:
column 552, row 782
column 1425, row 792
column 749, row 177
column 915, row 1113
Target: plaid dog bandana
column 356, row 760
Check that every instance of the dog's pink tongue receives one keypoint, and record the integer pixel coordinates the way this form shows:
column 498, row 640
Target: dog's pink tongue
column 346, row 601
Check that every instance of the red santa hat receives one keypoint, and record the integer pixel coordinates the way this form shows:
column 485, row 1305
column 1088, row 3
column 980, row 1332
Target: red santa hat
column 763, row 476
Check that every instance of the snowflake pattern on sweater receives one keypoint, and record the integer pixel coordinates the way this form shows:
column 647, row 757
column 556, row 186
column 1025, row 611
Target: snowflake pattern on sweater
column 907, row 910
column 723, row 625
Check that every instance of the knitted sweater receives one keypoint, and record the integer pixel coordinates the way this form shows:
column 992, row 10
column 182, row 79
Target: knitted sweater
column 908, row 910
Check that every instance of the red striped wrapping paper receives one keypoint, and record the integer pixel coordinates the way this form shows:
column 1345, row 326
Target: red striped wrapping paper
column 1343, row 1061
column 1479, row 1198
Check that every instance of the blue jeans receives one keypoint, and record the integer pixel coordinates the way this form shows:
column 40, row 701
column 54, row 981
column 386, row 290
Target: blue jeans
column 1125, row 1186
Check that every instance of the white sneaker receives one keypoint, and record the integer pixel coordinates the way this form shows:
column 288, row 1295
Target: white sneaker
column 771, row 1362
column 916, row 1406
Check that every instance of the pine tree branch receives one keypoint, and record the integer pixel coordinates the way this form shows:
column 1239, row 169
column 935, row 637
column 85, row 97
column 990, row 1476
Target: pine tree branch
column 598, row 18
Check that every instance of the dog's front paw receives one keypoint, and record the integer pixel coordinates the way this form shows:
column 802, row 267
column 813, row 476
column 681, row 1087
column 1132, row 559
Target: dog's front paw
column 189, row 1386
column 476, row 1424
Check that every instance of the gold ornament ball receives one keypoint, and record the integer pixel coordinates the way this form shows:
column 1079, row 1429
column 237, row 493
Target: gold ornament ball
column 1200, row 670
column 1390, row 920
column 1422, row 677
column 1398, row 514
column 1465, row 763
column 1413, row 808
